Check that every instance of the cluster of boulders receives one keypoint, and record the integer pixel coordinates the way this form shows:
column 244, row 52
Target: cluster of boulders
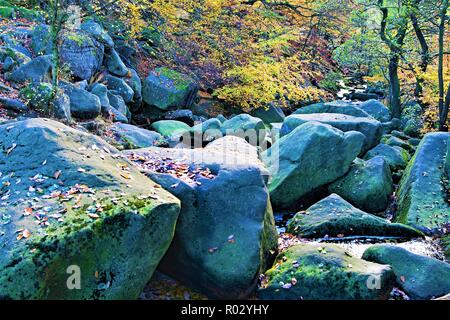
column 194, row 196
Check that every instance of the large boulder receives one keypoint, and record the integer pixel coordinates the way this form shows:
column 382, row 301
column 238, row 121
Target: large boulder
column 37, row 70
column 101, row 91
column 422, row 197
column 370, row 127
column 419, row 276
column 396, row 157
column 270, row 114
column 335, row 217
column 132, row 137
column 397, row 142
column 325, row 272
column 225, row 236
column 119, row 87
column 164, row 88
column 115, row 65
column 339, row 107
column 311, row 156
column 134, row 82
column 170, row 128
column 206, row 131
column 76, row 212
column 81, row 53
column 83, row 104
column 245, row 126
column 95, row 30
column 41, row 39
column 376, row 109
column 368, row 185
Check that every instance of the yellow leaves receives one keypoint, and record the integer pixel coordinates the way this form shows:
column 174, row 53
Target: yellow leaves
column 266, row 80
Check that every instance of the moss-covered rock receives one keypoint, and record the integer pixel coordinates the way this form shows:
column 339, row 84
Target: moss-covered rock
column 333, row 216
column 396, row 157
column 81, row 53
column 77, row 208
column 325, row 272
column 164, row 88
column 422, row 196
column 38, row 95
column 368, row 185
column 310, row 157
column 170, row 128
column 420, row 277
column 7, row 12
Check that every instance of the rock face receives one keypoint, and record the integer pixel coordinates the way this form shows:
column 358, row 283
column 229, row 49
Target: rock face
column 334, row 216
column 420, row 277
column 226, row 230
column 164, row 88
column 334, row 107
column 82, row 54
column 112, row 234
column 311, row 156
column 132, row 137
column 377, row 110
column 370, row 127
column 37, row 70
column 325, row 272
column 396, row 157
column 422, row 196
column 368, row 185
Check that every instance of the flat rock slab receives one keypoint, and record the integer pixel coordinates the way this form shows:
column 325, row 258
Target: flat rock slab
column 69, row 202
column 422, row 196
column 325, row 272
column 335, row 217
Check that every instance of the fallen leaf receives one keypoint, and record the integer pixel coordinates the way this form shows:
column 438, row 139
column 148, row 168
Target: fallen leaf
column 125, row 175
column 8, row 151
column 27, row 211
column 57, row 174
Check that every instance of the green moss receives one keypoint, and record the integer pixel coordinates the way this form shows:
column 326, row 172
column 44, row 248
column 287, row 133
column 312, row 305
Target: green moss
column 6, row 12
column 181, row 81
column 80, row 39
column 323, row 272
column 38, row 95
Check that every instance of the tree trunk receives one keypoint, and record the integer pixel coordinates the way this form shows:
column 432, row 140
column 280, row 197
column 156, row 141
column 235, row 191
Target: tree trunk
column 54, row 30
column 394, row 87
column 442, row 114
column 424, row 55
